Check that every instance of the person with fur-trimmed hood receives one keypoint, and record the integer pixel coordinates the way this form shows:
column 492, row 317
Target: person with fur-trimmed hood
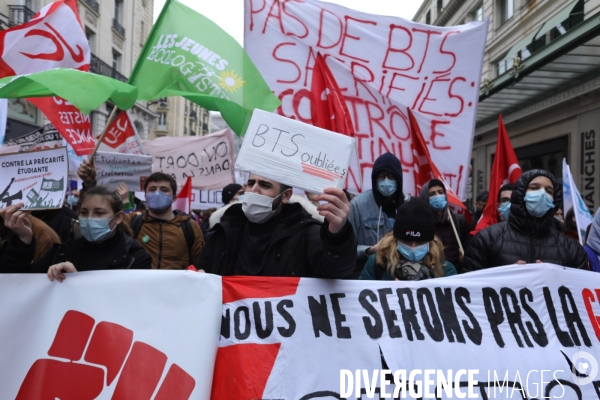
column 529, row 236
column 267, row 235
column 373, row 212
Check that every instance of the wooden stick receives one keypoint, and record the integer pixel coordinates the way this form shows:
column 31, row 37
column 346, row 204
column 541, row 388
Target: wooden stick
column 455, row 231
column 108, row 122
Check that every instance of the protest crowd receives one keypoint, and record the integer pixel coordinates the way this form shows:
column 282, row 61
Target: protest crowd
column 320, row 197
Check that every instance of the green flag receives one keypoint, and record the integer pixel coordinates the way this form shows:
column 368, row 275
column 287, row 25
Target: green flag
column 52, row 185
column 85, row 90
column 188, row 55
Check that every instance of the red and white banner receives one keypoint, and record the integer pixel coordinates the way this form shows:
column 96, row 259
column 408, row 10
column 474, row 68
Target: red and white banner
column 207, row 159
column 523, row 327
column 122, row 136
column 433, row 70
column 53, row 38
column 184, row 197
column 156, row 334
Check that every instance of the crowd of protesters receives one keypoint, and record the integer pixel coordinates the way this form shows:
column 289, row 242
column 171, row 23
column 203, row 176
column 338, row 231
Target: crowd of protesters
column 264, row 229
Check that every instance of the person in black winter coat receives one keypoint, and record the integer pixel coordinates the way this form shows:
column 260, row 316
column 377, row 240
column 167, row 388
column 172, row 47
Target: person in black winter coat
column 434, row 193
column 60, row 220
column 266, row 235
column 529, row 236
column 105, row 243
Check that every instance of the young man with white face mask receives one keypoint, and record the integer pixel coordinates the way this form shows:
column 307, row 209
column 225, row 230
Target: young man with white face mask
column 529, row 236
column 266, row 235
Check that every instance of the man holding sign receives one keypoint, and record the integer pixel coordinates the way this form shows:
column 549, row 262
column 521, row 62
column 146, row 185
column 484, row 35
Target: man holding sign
column 268, row 236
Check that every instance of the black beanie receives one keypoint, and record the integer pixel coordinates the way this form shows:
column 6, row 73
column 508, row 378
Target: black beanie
column 414, row 221
column 229, row 191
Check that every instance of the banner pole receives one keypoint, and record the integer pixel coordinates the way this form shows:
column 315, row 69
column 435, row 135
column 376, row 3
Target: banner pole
column 108, row 122
column 455, row 231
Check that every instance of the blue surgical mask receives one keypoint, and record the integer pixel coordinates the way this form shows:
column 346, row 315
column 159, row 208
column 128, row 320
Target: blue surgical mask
column 72, row 200
column 387, row 187
column 240, row 197
column 504, row 209
column 158, row 202
column 95, row 230
column 414, row 254
column 438, row 202
column 538, row 203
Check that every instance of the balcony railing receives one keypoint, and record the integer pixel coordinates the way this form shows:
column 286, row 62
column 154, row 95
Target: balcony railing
column 19, row 15
column 93, row 5
column 98, row 66
column 193, row 115
column 118, row 28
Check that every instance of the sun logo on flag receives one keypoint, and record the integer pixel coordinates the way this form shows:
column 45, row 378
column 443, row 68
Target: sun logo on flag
column 230, row 81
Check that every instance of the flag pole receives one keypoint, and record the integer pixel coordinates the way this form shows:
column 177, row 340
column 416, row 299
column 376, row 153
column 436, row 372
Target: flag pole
column 108, row 121
column 455, row 231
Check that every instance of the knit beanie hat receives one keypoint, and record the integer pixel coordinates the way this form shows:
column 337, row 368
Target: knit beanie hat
column 414, row 221
column 229, row 191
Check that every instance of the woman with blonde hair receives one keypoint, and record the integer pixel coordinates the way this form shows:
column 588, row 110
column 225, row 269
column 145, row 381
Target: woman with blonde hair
column 411, row 252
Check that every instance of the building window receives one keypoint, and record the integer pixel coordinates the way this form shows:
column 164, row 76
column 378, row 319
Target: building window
column 91, row 37
column 476, row 14
column 162, row 121
column 116, row 61
column 119, row 11
column 507, row 9
column 440, row 7
column 428, row 17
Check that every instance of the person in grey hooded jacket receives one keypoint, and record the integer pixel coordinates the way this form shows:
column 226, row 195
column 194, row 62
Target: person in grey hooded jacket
column 373, row 212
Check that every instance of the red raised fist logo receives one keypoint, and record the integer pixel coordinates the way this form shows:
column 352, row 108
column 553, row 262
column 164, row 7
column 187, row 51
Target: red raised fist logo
column 112, row 347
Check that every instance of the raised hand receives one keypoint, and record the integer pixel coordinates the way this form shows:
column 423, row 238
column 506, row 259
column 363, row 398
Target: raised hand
column 16, row 220
column 87, row 172
column 336, row 210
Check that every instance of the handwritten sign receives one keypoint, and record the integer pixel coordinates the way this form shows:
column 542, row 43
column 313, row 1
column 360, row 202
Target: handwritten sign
column 38, row 178
column 294, row 153
column 431, row 69
column 112, row 168
column 207, row 159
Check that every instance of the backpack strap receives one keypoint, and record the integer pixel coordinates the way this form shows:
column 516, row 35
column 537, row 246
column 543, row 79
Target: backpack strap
column 190, row 237
column 136, row 225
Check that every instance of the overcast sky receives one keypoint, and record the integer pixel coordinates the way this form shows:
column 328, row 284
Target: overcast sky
column 229, row 14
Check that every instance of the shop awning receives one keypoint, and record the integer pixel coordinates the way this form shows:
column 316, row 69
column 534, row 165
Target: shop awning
column 557, row 19
column 568, row 61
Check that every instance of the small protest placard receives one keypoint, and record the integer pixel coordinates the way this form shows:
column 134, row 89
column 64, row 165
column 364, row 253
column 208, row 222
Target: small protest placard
column 37, row 178
column 294, row 153
column 131, row 169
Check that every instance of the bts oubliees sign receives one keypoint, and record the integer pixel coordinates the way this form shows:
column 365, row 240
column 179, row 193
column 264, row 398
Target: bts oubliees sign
column 294, row 153
column 36, row 178
column 382, row 65
column 531, row 330
column 207, row 159
column 156, row 333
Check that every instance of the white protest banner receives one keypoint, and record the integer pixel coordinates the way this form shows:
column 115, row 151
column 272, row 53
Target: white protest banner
column 434, row 70
column 205, row 199
column 572, row 199
column 131, row 169
column 122, row 136
column 3, row 119
column 46, row 137
column 521, row 326
column 207, row 159
column 71, row 340
column 36, row 178
column 294, row 153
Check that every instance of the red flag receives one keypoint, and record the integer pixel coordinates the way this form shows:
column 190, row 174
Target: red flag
column 425, row 170
column 327, row 105
column 53, row 38
column 329, row 111
column 505, row 170
column 122, row 136
column 184, row 197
